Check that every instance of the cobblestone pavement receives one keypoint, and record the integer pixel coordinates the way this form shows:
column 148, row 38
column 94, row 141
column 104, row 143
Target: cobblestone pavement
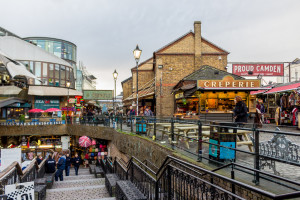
column 84, row 186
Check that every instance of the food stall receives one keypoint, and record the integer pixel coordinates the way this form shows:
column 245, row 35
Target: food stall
column 202, row 96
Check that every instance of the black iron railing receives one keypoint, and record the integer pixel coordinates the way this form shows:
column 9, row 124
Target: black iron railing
column 177, row 179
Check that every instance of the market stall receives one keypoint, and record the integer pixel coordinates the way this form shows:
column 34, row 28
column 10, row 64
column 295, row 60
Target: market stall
column 196, row 95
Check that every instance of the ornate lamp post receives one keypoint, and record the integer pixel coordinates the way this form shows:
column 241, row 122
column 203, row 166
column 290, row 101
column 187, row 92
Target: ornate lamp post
column 115, row 75
column 137, row 54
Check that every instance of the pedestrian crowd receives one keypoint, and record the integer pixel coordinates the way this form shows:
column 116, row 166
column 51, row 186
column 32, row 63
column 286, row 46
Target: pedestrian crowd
column 61, row 164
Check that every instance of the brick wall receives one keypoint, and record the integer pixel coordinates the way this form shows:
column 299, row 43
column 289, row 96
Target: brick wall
column 127, row 88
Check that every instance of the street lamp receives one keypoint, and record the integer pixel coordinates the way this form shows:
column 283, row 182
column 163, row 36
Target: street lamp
column 115, row 75
column 68, row 86
column 137, row 54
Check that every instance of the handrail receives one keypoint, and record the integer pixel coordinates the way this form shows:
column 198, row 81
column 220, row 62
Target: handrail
column 8, row 169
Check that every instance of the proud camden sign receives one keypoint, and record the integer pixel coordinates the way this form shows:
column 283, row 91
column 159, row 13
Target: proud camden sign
column 258, row 69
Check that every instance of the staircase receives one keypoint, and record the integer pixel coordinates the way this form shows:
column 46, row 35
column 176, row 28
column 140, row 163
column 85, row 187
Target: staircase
column 84, row 186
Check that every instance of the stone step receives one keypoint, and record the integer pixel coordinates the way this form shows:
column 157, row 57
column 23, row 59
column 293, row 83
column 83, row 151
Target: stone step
column 110, row 198
column 78, row 193
column 79, row 177
column 78, row 183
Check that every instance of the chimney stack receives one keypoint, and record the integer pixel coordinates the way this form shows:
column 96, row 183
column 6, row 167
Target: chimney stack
column 197, row 32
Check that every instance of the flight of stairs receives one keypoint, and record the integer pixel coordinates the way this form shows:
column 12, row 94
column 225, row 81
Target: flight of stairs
column 84, row 186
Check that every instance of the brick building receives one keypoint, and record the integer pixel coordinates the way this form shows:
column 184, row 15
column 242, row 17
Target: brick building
column 171, row 63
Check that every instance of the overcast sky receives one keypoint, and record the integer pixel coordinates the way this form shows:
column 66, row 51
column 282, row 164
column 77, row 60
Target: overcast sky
column 107, row 31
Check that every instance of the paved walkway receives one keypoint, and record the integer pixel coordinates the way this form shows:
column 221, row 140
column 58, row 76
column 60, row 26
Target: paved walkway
column 84, row 186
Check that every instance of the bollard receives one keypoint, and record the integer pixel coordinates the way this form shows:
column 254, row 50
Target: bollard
column 199, row 141
column 172, row 133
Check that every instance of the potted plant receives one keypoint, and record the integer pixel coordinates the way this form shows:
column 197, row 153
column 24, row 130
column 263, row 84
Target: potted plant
column 63, row 119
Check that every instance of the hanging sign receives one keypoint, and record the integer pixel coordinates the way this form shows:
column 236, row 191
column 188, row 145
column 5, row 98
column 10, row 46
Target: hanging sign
column 258, row 69
column 72, row 100
column 97, row 94
column 228, row 82
column 20, row 191
column 179, row 95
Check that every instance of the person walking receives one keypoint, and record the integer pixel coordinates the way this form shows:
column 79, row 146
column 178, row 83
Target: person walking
column 148, row 112
column 240, row 113
column 68, row 164
column 76, row 163
column 50, row 164
column 61, row 165
column 39, row 159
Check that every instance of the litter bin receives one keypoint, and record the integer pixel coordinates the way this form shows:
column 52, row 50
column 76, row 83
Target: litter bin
column 222, row 134
column 141, row 126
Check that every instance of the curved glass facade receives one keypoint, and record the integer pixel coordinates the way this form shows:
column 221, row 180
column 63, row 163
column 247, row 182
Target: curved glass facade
column 63, row 49
column 51, row 74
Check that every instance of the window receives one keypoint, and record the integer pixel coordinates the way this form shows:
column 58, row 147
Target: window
column 45, row 73
column 26, row 63
column 41, row 43
column 49, row 46
column 57, row 75
column 38, row 72
column 32, row 67
column 57, row 49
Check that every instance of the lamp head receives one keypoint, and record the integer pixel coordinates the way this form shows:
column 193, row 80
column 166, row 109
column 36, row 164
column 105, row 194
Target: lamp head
column 115, row 74
column 137, row 53
column 68, row 84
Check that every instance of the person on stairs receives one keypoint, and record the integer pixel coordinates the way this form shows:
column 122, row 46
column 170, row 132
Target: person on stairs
column 61, row 165
column 68, row 164
column 50, row 164
column 76, row 163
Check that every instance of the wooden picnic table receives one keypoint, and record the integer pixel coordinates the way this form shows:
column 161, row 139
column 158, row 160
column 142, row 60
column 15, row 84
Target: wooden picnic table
column 150, row 126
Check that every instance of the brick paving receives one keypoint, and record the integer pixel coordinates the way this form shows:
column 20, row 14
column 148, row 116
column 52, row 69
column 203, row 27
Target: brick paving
column 84, row 186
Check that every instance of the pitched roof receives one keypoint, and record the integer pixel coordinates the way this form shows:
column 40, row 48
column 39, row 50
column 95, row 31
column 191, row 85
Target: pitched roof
column 140, row 64
column 209, row 73
column 126, row 80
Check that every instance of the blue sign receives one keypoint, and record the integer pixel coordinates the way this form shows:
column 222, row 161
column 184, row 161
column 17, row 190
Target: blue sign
column 226, row 153
column 213, row 149
column 104, row 109
column 46, row 102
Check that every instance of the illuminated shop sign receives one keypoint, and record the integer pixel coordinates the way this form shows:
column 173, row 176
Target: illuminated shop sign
column 228, row 82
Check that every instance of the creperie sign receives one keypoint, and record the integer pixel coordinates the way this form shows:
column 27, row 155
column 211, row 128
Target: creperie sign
column 258, row 69
column 228, row 82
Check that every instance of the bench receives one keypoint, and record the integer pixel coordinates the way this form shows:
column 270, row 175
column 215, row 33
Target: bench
column 278, row 147
column 127, row 190
column 40, row 192
column 40, row 181
column 110, row 183
column 92, row 168
column 49, row 179
column 99, row 173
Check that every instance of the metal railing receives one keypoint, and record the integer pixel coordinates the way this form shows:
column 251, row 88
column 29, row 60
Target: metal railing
column 177, row 179
column 14, row 174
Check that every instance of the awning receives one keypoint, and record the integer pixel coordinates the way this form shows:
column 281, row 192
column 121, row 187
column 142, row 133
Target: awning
column 52, row 91
column 231, row 88
column 284, row 88
column 145, row 91
column 15, row 68
column 10, row 90
column 8, row 101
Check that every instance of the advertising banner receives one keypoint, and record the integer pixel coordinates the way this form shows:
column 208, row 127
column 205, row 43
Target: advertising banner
column 97, row 94
column 228, row 82
column 8, row 156
column 20, row 191
column 44, row 103
column 258, row 69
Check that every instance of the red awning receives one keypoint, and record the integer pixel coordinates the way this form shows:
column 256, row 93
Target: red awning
column 284, row 88
column 257, row 92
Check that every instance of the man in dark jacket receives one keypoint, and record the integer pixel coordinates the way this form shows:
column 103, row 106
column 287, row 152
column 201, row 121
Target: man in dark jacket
column 61, row 165
column 76, row 163
column 240, row 112
column 39, row 159
column 68, row 164
column 50, row 165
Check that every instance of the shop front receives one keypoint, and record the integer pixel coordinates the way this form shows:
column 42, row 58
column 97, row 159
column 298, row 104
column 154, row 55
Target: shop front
column 197, row 95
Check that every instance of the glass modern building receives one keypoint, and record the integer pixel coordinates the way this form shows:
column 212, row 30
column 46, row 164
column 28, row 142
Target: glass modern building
column 61, row 48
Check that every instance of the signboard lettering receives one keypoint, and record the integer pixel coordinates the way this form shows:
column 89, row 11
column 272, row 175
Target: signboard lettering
column 97, row 94
column 228, row 82
column 258, row 69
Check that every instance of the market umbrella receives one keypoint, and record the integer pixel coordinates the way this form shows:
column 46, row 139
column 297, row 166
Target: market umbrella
column 85, row 141
column 52, row 110
column 36, row 110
